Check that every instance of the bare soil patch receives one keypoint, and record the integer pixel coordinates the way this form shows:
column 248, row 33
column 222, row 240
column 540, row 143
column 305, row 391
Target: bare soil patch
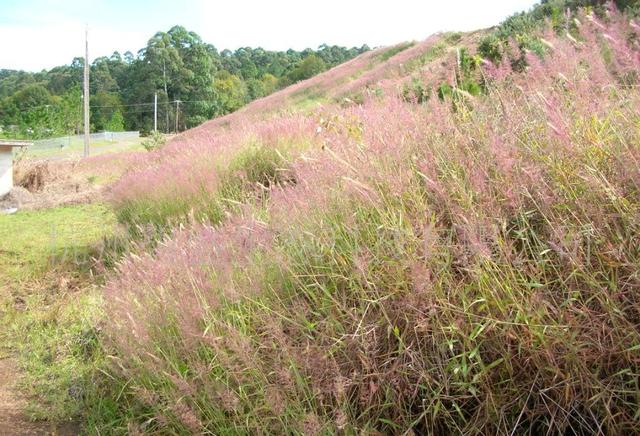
column 13, row 421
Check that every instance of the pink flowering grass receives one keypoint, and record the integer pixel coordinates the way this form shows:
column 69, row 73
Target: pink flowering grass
column 460, row 266
column 397, row 66
column 205, row 176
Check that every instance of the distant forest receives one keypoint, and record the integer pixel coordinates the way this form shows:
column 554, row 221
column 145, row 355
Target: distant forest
column 177, row 65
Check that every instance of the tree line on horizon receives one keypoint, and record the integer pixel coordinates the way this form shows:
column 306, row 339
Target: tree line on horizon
column 177, row 65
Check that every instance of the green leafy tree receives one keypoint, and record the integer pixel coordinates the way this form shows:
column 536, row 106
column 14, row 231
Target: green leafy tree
column 309, row 67
column 231, row 91
column 175, row 65
column 116, row 123
column 104, row 106
column 67, row 116
column 269, row 83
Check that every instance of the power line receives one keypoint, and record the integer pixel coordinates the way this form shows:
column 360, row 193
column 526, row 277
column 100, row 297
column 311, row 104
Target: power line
column 199, row 101
column 136, row 109
column 122, row 105
column 144, row 111
column 119, row 106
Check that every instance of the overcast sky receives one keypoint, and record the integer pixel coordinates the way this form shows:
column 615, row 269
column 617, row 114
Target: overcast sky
column 39, row 34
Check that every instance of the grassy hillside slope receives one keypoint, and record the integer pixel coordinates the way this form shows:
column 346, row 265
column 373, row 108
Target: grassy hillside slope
column 418, row 241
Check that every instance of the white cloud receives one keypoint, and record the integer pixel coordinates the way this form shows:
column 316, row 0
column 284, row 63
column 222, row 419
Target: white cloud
column 57, row 43
column 43, row 33
column 282, row 24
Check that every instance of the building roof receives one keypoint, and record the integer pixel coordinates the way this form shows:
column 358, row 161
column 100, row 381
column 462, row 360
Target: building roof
column 14, row 143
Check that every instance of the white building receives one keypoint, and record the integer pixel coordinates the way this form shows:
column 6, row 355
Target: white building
column 6, row 164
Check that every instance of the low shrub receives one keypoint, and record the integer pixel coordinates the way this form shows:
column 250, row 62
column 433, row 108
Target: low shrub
column 415, row 91
column 155, row 140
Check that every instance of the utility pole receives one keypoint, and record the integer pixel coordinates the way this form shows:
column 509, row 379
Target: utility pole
column 155, row 113
column 177, row 113
column 86, row 92
column 166, row 95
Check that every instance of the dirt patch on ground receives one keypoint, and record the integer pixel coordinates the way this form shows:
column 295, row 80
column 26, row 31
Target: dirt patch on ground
column 43, row 184
column 16, row 198
column 52, row 182
column 13, row 421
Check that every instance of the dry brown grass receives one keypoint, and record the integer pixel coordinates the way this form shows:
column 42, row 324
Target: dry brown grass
column 50, row 183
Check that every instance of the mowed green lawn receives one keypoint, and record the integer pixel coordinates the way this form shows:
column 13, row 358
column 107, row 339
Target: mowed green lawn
column 32, row 242
column 47, row 326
